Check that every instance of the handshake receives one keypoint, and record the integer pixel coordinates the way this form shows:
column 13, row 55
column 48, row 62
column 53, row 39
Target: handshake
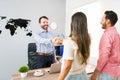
column 57, row 41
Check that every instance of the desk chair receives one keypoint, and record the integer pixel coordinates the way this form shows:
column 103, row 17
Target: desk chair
column 32, row 56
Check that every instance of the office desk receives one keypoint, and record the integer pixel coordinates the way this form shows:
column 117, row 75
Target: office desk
column 16, row 75
column 30, row 76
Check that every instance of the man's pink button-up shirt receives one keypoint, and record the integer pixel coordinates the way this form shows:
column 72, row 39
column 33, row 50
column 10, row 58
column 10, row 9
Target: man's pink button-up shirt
column 109, row 53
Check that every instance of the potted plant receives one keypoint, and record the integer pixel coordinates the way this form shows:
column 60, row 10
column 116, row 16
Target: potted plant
column 23, row 71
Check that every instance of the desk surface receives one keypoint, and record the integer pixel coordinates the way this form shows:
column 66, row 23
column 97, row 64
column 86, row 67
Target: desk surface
column 16, row 75
column 30, row 76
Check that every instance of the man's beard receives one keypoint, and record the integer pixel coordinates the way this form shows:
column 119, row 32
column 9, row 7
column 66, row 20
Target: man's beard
column 45, row 27
column 103, row 26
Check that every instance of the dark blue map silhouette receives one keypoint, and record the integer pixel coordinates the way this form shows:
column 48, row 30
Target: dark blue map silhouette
column 13, row 24
column 0, row 31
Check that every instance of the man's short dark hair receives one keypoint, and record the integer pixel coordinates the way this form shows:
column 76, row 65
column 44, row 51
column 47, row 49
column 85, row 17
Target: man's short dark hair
column 112, row 16
column 42, row 17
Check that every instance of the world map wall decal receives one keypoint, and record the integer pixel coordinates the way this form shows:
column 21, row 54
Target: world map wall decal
column 13, row 24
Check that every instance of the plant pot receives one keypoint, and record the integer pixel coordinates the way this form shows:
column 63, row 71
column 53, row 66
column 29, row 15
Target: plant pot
column 23, row 75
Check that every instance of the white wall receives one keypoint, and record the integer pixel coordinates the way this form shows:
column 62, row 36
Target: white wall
column 13, row 49
column 94, row 10
column 111, row 5
column 70, row 6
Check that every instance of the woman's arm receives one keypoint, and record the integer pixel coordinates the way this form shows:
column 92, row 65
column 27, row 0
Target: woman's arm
column 65, row 69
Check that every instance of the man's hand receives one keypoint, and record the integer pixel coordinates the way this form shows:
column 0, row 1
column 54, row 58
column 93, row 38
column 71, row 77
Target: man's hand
column 57, row 41
column 95, row 75
column 56, row 60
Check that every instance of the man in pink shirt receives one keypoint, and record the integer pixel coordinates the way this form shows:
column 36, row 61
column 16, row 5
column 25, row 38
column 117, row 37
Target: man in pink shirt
column 108, row 65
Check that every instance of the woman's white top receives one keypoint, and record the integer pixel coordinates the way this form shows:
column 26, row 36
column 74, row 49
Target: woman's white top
column 70, row 53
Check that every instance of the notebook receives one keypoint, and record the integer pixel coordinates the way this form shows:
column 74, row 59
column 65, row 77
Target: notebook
column 55, row 68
